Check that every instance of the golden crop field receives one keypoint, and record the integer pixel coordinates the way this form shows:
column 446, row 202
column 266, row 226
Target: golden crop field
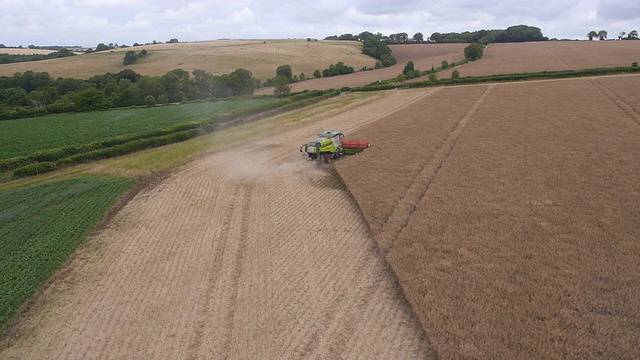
column 510, row 214
column 509, row 58
column 261, row 57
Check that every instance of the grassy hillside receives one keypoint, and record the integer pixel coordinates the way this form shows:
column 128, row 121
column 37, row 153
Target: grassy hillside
column 261, row 57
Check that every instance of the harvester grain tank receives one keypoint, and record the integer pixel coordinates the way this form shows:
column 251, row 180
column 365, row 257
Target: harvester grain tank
column 330, row 145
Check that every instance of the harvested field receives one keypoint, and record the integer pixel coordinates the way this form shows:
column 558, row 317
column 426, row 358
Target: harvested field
column 424, row 56
column 509, row 58
column 233, row 257
column 261, row 57
column 514, row 226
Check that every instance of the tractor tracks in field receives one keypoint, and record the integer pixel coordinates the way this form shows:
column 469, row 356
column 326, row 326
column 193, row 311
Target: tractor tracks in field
column 409, row 202
column 230, row 246
column 564, row 64
column 629, row 110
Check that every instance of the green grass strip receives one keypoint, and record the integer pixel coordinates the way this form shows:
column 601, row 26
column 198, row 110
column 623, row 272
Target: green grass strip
column 41, row 226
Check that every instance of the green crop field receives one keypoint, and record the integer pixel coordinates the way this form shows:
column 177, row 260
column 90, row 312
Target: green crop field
column 25, row 136
column 41, row 226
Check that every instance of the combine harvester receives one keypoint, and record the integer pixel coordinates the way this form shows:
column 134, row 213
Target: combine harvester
column 331, row 145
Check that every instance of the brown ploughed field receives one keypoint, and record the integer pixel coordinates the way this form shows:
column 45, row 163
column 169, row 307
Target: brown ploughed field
column 510, row 214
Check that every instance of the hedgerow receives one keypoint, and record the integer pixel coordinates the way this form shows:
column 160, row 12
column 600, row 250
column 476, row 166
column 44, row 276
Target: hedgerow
column 34, row 169
column 51, row 159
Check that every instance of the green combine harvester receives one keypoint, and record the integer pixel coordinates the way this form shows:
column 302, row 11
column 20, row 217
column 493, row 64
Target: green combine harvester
column 330, row 145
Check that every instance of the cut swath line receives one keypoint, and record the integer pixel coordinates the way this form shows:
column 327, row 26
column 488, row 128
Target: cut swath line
column 401, row 213
column 619, row 101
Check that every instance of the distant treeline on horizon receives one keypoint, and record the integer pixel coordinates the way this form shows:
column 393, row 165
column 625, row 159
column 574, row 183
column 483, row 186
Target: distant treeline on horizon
column 517, row 33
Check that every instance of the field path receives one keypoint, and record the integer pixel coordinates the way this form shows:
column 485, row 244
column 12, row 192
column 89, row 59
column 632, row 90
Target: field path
column 251, row 252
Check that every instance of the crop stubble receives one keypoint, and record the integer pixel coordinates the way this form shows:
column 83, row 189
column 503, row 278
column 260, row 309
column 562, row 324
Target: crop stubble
column 509, row 58
column 249, row 252
column 524, row 238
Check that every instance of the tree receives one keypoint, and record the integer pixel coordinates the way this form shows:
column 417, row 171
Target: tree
column 173, row 41
column 518, row 33
column 45, row 95
column 445, row 64
column 130, row 57
column 90, row 99
column 241, row 82
column 418, row 37
column 621, row 35
column 149, row 100
column 204, row 84
column 102, row 47
column 473, row 52
column 15, row 97
column 591, row 35
column 285, row 70
column 633, row 35
column 602, row 34
column 281, row 87
column 317, row 74
column 455, row 74
column 410, row 67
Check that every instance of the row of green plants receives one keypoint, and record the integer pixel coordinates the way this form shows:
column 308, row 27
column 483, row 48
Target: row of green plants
column 56, row 158
column 64, row 130
column 42, row 226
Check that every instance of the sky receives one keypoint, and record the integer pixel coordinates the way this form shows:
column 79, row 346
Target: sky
column 124, row 22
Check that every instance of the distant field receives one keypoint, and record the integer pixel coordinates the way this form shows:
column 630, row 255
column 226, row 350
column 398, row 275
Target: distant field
column 17, row 51
column 261, row 57
column 42, row 226
column 26, row 136
column 510, row 58
column 424, row 57
column 510, row 215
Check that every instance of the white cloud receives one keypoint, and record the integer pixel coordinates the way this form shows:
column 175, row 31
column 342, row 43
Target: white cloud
column 238, row 18
column 88, row 22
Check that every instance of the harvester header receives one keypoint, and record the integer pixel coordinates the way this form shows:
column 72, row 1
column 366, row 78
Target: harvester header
column 330, row 145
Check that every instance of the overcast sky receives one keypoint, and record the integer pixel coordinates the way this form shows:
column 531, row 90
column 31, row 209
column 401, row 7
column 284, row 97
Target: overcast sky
column 89, row 22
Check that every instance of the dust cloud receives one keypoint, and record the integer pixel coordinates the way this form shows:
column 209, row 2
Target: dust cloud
column 253, row 164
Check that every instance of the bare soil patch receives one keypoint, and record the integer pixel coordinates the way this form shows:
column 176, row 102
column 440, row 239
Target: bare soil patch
column 251, row 252
column 513, row 228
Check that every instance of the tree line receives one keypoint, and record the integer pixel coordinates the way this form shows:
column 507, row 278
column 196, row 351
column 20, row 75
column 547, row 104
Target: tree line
column 15, row 58
column 31, row 93
column 374, row 45
column 518, row 33
column 602, row 35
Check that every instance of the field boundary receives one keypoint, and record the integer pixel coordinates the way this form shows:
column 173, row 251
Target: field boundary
column 502, row 78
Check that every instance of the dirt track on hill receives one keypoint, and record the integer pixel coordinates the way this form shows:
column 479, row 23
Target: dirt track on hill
column 247, row 253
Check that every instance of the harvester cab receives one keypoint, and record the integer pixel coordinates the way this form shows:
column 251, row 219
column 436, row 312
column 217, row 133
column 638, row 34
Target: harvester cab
column 331, row 145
